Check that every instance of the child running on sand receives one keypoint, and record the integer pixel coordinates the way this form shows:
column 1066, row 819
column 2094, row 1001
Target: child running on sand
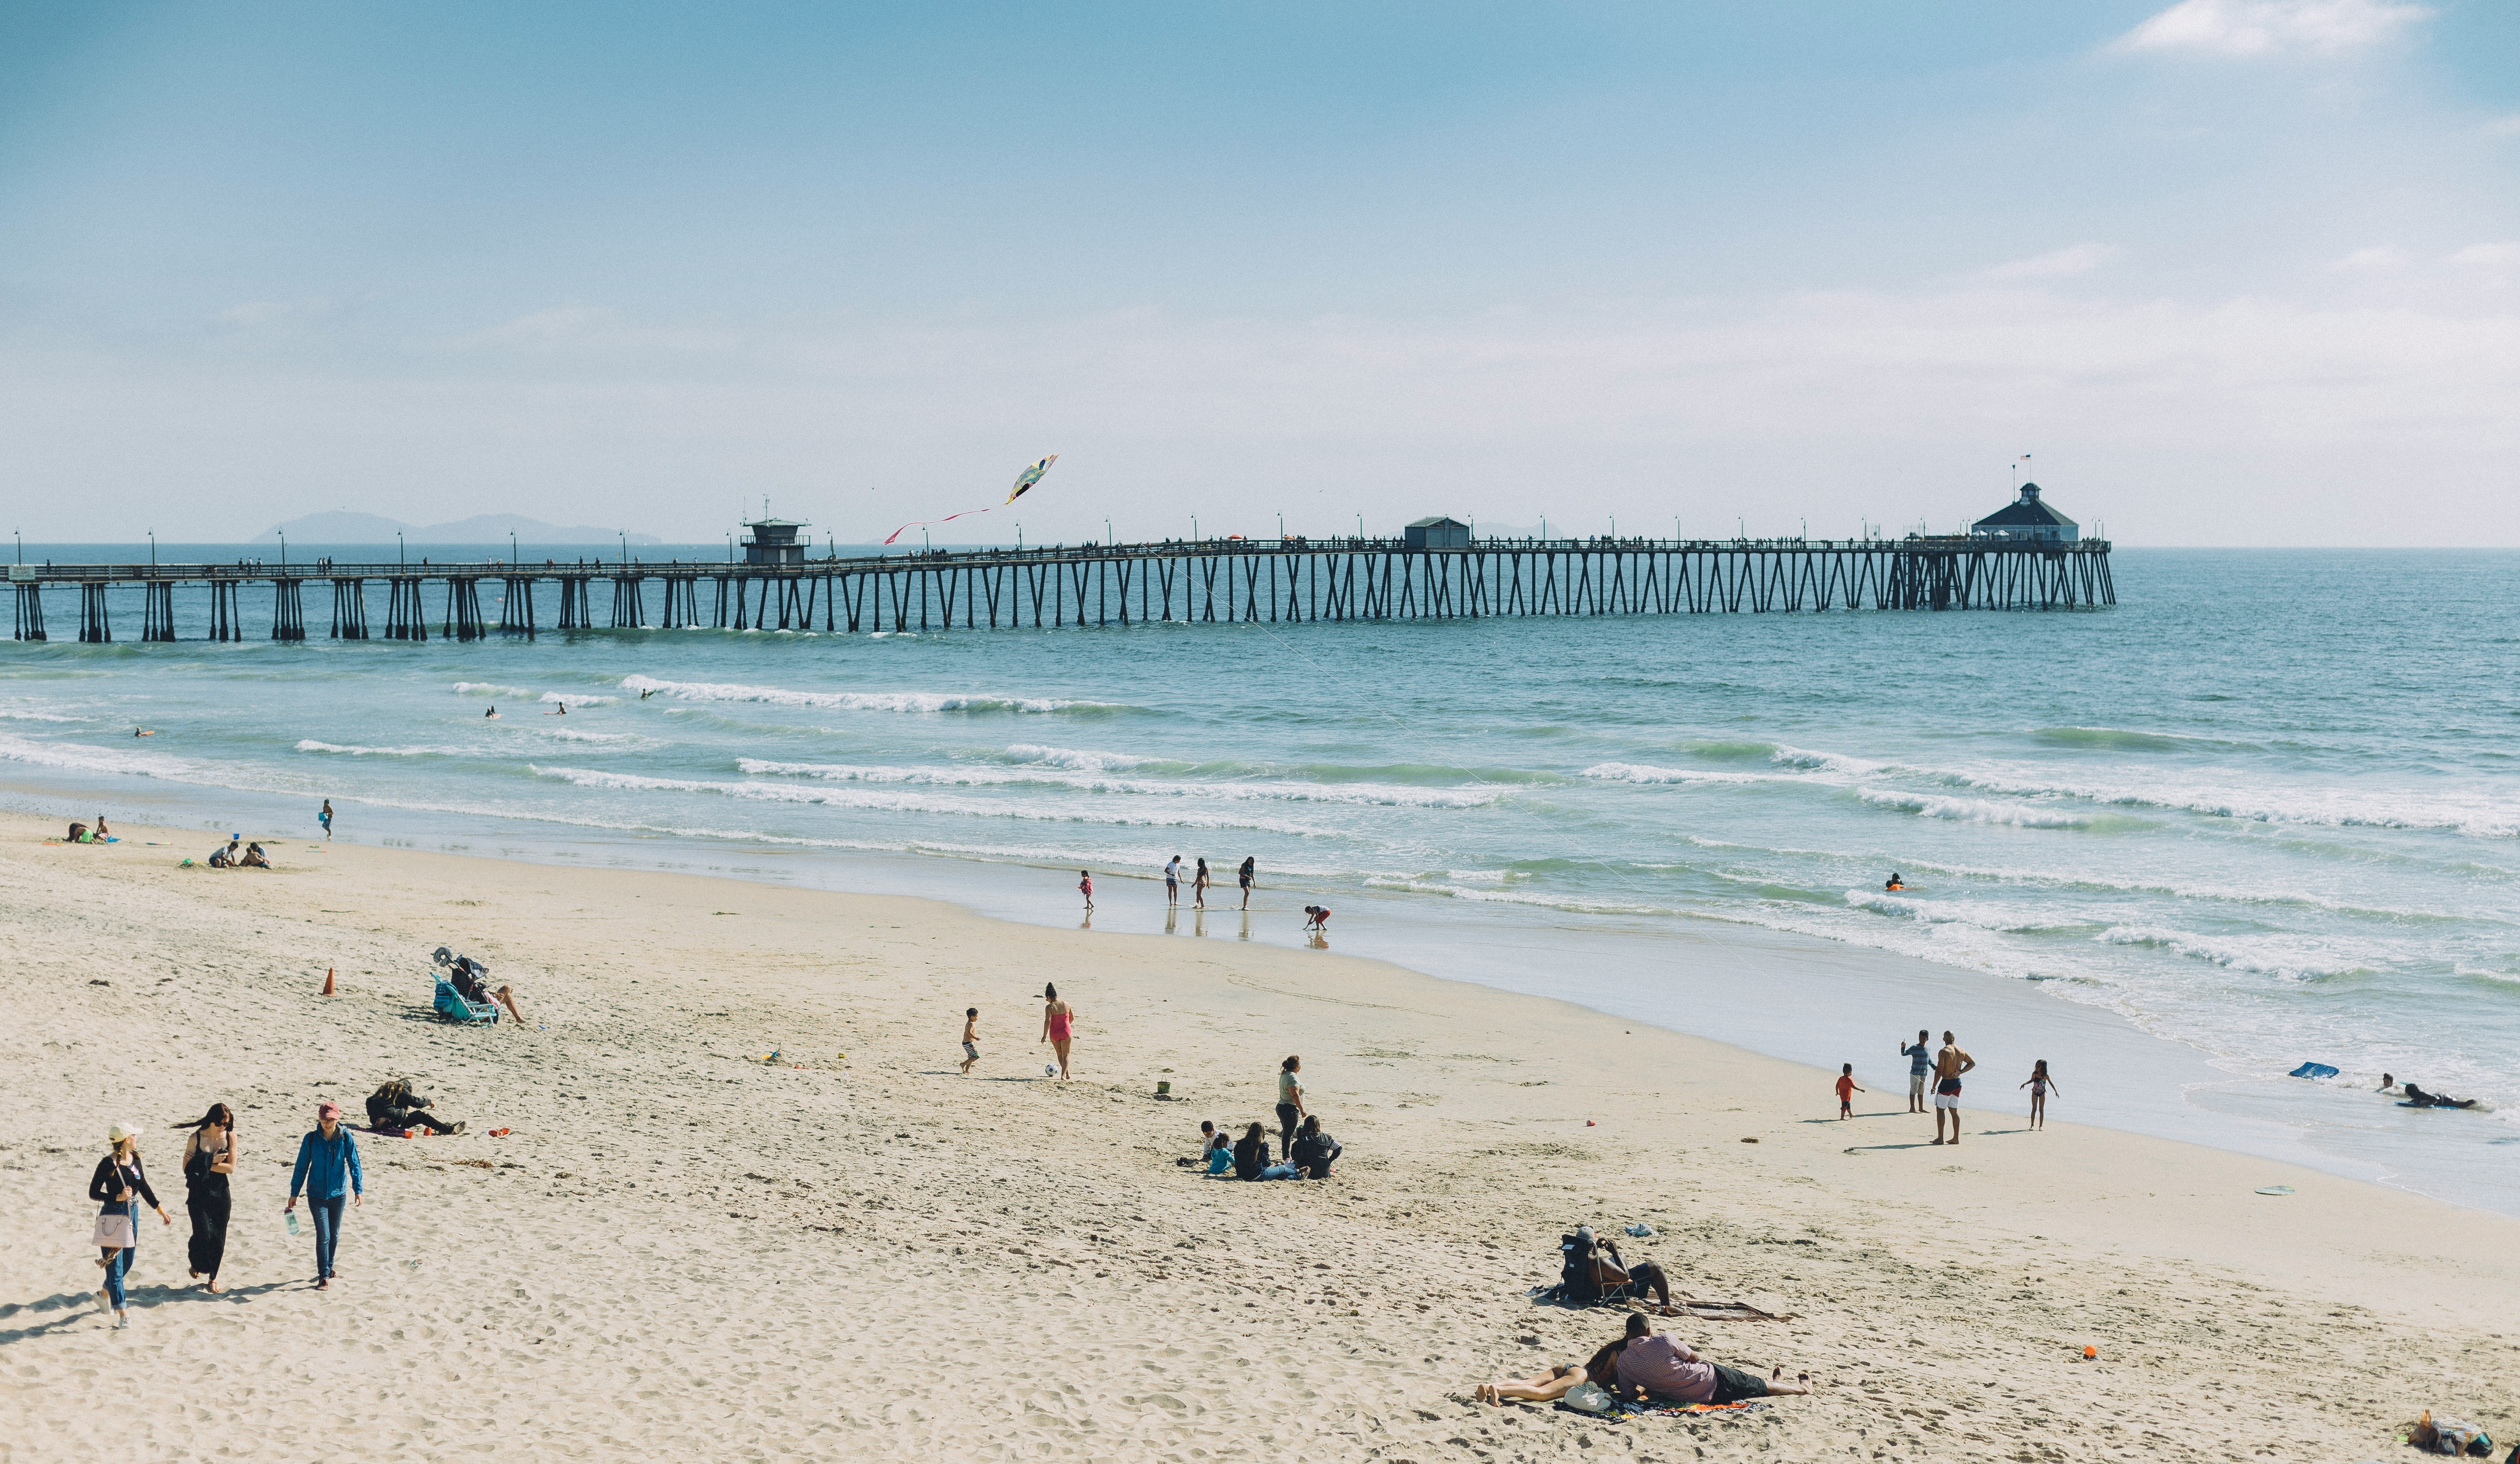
column 1846, row 1092
column 1085, row 886
column 2039, row 1083
column 970, row 1036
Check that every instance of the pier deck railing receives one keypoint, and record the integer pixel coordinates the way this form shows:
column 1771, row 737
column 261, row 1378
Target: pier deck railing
column 1273, row 579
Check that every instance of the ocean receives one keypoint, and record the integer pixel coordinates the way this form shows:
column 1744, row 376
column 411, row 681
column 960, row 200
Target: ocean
column 2265, row 810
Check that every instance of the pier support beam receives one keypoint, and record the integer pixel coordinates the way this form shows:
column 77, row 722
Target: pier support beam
column 463, row 609
column 349, row 609
column 158, row 619
column 94, row 625
column 227, row 622
column 30, row 607
column 516, row 606
column 288, row 613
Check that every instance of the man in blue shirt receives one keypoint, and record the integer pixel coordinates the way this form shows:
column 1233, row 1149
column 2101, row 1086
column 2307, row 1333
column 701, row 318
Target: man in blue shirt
column 328, row 1173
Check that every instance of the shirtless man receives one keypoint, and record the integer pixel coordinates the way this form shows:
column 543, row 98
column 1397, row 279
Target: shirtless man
column 1949, row 1064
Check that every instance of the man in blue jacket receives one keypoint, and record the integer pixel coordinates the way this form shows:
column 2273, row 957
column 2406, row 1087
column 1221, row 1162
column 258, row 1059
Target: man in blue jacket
column 328, row 1173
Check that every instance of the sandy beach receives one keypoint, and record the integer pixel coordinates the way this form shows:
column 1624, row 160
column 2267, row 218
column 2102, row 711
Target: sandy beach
column 684, row 1251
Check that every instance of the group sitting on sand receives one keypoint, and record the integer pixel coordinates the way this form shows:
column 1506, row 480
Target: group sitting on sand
column 1648, row 1366
column 230, row 856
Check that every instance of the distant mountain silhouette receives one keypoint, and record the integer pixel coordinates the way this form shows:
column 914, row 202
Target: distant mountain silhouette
column 343, row 527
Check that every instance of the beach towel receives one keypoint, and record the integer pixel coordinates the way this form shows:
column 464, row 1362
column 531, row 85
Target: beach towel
column 1686, row 1411
column 1728, row 1312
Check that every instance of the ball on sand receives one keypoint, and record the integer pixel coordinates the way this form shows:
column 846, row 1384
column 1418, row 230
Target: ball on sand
column 1050, row 1070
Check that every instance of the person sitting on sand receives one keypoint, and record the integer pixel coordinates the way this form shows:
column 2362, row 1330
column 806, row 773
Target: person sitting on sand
column 1597, row 1260
column 254, row 858
column 1315, row 1151
column 1219, row 1151
column 1251, row 1153
column 394, row 1107
column 78, row 833
column 103, row 834
column 1658, row 1365
column 472, row 980
column 224, row 859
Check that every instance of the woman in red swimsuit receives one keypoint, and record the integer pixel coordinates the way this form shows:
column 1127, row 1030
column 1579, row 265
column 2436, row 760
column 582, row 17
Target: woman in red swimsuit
column 1058, row 1025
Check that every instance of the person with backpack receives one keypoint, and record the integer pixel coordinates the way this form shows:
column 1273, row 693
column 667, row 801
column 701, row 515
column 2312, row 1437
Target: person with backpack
column 1592, row 1264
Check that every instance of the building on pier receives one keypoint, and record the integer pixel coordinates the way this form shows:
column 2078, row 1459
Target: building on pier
column 2030, row 518
column 1438, row 532
column 773, row 544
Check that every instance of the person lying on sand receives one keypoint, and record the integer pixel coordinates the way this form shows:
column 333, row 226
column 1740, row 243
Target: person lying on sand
column 1659, row 1366
column 1559, row 1381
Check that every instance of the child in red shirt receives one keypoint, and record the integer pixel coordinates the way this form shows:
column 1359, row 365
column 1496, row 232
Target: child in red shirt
column 1846, row 1092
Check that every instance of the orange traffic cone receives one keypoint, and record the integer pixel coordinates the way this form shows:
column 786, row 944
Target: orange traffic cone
column 328, row 981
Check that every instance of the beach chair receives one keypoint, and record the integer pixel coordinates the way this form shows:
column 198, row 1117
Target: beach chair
column 453, row 1005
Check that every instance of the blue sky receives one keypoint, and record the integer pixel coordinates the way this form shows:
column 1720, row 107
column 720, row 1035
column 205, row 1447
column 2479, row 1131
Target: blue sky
column 2236, row 271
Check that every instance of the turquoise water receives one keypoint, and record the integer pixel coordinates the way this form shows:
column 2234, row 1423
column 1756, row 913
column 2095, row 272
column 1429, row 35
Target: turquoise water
column 2265, row 810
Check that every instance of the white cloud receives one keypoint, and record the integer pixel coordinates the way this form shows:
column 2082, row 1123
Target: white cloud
column 2270, row 27
column 2376, row 258
column 2489, row 255
column 2503, row 127
column 2074, row 259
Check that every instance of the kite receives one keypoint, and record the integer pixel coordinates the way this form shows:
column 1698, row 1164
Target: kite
column 1023, row 484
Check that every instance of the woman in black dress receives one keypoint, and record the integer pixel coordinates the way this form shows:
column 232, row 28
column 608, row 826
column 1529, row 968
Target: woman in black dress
column 210, row 1157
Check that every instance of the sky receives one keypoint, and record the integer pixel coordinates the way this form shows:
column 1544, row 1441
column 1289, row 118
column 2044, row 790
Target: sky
column 2232, row 272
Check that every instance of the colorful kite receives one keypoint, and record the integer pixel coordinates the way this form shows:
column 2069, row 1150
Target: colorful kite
column 1023, row 484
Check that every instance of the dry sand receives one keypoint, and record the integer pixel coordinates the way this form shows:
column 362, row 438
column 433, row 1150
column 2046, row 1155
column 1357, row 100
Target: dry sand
column 681, row 1253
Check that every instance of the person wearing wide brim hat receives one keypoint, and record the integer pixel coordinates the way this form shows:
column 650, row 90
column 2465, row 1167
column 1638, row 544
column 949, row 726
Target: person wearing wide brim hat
column 119, row 1185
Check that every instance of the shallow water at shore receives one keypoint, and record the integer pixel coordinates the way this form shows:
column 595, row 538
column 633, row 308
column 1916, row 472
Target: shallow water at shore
column 2209, row 814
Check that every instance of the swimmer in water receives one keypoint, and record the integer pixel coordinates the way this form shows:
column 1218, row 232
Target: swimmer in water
column 646, row 691
column 142, row 732
column 563, row 712
column 492, row 713
column 1894, row 883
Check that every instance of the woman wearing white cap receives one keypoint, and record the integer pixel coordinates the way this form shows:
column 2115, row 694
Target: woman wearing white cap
column 118, row 1178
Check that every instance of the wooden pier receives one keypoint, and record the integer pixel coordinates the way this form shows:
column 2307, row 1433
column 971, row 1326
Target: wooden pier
column 1277, row 581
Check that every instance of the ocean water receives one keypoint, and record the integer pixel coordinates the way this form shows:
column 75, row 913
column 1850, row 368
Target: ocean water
column 2267, row 809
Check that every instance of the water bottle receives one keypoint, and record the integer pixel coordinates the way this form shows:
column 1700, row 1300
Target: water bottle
column 292, row 1221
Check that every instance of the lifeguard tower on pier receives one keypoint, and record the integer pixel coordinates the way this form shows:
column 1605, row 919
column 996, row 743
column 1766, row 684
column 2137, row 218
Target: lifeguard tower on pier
column 774, row 543
column 2027, row 517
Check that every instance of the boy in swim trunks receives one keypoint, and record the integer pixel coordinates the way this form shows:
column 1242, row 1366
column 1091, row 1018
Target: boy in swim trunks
column 970, row 1036
column 1949, row 1064
column 1847, row 1089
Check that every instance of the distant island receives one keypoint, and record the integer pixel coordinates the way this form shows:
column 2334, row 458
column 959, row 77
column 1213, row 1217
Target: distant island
column 344, row 527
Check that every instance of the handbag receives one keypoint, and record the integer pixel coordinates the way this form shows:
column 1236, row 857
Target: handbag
column 114, row 1231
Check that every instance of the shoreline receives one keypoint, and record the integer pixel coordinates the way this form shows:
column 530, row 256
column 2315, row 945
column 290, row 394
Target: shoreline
column 1708, row 978
column 817, row 1240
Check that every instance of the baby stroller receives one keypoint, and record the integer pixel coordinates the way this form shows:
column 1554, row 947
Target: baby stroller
column 464, row 991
